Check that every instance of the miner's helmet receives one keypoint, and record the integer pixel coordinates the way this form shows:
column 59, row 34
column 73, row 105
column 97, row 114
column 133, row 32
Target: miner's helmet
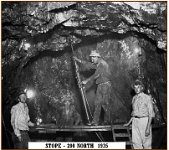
column 21, row 92
column 138, row 82
column 94, row 54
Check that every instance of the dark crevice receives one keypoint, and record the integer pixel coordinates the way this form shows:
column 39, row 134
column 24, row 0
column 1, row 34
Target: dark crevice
column 46, row 53
column 58, row 10
column 107, row 33
column 12, row 24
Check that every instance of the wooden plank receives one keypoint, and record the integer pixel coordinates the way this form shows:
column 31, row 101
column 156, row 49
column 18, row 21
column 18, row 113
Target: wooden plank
column 119, row 127
column 72, row 127
column 121, row 135
column 53, row 128
column 68, row 130
column 128, row 143
column 114, row 138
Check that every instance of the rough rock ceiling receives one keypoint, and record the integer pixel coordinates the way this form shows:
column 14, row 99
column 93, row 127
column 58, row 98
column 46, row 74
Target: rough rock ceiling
column 52, row 22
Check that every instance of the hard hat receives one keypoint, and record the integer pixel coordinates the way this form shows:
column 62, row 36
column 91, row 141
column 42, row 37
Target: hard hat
column 94, row 53
column 138, row 82
column 21, row 92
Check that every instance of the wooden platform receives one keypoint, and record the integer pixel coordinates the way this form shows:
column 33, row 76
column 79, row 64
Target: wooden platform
column 51, row 128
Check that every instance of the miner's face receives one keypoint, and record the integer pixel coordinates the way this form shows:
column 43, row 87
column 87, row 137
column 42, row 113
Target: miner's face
column 94, row 59
column 23, row 98
column 138, row 89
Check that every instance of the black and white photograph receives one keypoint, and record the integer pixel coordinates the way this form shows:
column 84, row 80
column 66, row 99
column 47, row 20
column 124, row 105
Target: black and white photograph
column 84, row 75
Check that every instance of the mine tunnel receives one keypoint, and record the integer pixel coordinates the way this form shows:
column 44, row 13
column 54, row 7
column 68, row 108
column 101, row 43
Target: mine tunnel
column 39, row 41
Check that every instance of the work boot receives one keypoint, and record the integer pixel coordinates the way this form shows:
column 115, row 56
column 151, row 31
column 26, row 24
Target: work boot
column 89, row 124
column 92, row 124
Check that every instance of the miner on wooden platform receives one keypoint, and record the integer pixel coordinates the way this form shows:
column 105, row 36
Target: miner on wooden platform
column 102, row 80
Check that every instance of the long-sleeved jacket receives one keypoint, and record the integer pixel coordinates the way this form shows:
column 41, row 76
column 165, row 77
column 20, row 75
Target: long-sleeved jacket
column 20, row 118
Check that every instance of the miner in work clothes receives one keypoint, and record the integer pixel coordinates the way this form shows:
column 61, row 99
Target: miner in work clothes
column 102, row 80
column 141, row 119
column 20, row 121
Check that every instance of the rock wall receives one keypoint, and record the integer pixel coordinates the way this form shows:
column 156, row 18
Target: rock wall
column 36, row 53
column 52, row 76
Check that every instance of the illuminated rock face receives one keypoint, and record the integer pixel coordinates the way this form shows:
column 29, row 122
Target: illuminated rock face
column 37, row 53
column 58, row 97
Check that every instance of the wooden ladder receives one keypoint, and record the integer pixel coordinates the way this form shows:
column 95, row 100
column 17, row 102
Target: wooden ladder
column 122, row 134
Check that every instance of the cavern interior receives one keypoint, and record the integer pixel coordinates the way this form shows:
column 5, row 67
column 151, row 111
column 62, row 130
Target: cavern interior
column 38, row 42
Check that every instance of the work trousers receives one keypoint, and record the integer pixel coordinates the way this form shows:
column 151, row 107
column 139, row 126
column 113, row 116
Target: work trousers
column 140, row 141
column 23, row 144
column 102, row 101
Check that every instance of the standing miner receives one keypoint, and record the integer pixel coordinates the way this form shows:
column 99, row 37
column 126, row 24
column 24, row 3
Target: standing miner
column 102, row 80
column 141, row 119
column 20, row 121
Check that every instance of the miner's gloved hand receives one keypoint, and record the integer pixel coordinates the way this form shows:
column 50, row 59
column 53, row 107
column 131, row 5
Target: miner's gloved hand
column 84, row 82
column 129, row 122
column 126, row 124
column 31, row 124
column 77, row 59
column 147, row 132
